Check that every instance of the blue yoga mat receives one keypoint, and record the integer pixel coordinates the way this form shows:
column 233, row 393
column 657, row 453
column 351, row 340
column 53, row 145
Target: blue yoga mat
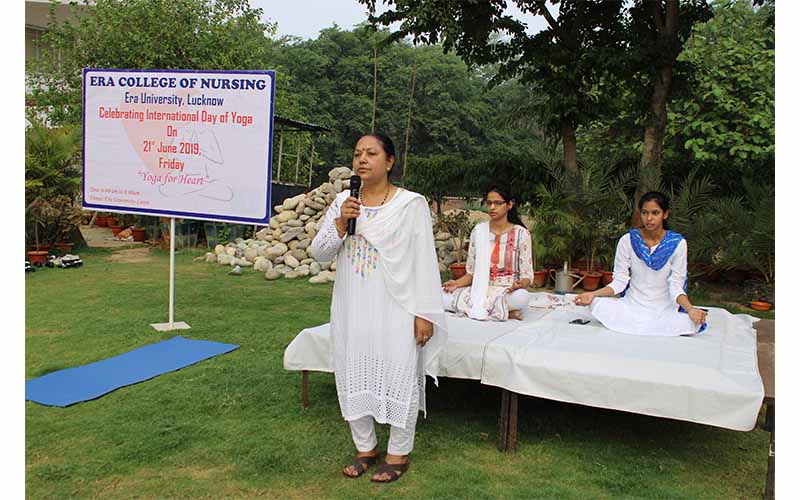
column 73, row 385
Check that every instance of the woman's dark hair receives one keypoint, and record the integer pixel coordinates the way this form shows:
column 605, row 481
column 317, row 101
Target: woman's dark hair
column 513, row 215
column 388, row 147
column 660, row 198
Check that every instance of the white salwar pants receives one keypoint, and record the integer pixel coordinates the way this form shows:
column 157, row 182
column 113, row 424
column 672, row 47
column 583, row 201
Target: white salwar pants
column 518, row 299
column 401, row 440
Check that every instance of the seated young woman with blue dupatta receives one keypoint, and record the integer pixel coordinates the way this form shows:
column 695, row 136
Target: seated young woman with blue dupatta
column 650, row 276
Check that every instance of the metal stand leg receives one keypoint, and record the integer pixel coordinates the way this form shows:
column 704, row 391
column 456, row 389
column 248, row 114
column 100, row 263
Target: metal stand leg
column 305, row 389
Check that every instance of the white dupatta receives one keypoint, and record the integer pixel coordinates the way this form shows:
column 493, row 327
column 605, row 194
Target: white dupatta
column 480, row 279
column 402, row 234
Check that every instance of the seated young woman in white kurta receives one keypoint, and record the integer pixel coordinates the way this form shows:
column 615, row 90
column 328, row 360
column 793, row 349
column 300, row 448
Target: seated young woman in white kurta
column 499, row 265
column 650, row 273
column 387, row 319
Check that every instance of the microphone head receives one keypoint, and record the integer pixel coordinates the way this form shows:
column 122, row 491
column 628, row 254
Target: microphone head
column 355, row 185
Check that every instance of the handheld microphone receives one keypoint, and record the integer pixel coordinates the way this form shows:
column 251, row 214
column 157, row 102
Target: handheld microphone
column 355, row 191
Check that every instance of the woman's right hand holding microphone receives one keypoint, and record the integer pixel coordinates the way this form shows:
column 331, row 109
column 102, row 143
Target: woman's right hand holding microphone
column 351, row 209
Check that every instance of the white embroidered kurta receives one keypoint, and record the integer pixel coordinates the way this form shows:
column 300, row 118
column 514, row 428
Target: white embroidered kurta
column 510, row 260
column 386, row 274
column 649, row 306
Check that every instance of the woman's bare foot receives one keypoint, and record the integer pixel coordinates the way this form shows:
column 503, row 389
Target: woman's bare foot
column 351, row 471
column 390, row 459
column 516, row 314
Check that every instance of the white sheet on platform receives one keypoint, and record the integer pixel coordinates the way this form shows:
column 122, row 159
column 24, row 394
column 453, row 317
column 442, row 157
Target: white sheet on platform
column 711, row 378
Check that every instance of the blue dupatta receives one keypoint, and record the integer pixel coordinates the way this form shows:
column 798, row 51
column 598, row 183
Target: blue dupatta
column 659, row 257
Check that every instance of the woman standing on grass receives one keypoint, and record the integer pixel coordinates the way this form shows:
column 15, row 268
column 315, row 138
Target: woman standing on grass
column 387, row 320
column 650, row 272
column 499, row 265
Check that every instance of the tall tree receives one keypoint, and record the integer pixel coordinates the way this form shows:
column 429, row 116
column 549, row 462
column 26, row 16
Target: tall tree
column 658, row 30
column 565, row 62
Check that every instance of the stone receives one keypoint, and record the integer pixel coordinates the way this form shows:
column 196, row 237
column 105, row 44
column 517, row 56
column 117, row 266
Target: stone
column 346, row 184
column 305, row 217
column 236, row 271
column 325, row 265
column 270, row 238
column 337, row 185
column 291, row 261
column 291, row 203
column 330, row 275
column 224, row 259
column 276, row 233
column 295, row 223
column 273, row 223
column 211, row 257
column 286, row 216
column 302, row 271
column 292, row 234
column 299, row 254
column 449, row 259
column 278, row 260
column 304, row 243
column 315, row 268
column 231, row 251
column 280, row 248
column 262, row 264
column 311, row 234
column 293, row 244
column 442, row 267
column 326, row 188
column 318, row 279
column 263, row 234
column 219, row 249
column 250, row 254
column 300, row 207
column 309, row 211
column 279, row 209
column 333, row 266
column 316, row 205
column 307, row 261
column 291, row 275
column 272, row 275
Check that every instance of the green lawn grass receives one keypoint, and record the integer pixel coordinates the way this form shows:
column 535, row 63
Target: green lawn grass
column 233, row 427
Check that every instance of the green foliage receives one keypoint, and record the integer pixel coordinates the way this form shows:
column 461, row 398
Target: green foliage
column 436, row 176
column 144, row 34
column 459, row 225
column 52, row 181
column 579, row 213
column 728, row 120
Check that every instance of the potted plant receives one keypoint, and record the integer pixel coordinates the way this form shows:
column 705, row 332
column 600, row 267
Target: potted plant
column 458, row 224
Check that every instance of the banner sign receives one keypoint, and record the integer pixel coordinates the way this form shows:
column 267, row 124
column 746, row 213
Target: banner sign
column 175, row 143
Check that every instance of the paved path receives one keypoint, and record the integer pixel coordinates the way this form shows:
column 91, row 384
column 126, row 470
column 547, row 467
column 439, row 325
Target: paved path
column 101, row 237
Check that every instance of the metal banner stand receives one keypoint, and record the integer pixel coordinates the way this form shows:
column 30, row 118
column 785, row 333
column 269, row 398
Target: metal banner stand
column 171, row 325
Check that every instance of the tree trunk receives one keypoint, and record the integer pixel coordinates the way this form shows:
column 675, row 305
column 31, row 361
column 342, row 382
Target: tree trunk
column 656, row 123
column 374, row 88
column 570, row 145
column 408, row 123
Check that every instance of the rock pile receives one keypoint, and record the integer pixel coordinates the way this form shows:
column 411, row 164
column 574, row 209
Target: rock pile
column 282, row 249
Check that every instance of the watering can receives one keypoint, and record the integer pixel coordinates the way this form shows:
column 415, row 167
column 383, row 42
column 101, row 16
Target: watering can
column 564, row 280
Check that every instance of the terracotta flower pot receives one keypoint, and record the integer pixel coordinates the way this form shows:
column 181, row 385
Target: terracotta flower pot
column 139, row 233
column 115, row 229
column 608, row 277
column 38, row 257
column 100, row 221
column 458, row 270
column 539, row 278
column 760, row 306
column 43, row 247
column 111, row 221
column 591, row 280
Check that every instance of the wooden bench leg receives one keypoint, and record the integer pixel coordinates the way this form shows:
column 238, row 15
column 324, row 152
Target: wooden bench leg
column 305, row 389
column 513, row 411
column 502, row 421
column 769, row 424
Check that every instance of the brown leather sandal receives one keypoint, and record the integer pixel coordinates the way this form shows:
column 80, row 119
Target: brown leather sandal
column 362, row 465
column 393, row 470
